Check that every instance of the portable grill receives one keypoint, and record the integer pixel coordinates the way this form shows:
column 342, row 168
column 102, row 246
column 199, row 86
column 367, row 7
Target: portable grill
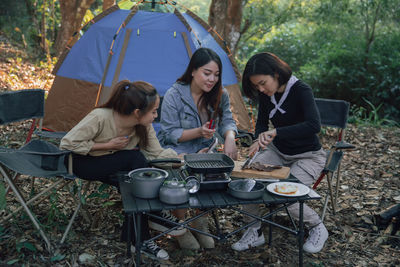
column 211, row 170
column 209, row 163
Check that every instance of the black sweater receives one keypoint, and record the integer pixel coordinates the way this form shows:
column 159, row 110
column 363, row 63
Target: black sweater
column 297, row 129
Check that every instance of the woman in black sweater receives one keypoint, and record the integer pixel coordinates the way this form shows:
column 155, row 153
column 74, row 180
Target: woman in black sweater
column 289, row 105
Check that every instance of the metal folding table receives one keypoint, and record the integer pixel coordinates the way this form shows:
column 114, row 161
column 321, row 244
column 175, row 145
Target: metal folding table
column 208, row 201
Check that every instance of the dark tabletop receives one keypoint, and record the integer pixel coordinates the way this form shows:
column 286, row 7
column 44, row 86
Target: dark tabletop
column 204, row 199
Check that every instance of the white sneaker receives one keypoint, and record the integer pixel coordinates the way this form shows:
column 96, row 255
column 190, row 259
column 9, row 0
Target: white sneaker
column 316, row 239
column 251, row 238
column 162, row 226
column 152, row 250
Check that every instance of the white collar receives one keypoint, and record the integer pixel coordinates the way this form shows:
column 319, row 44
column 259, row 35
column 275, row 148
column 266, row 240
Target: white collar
column 289, row 85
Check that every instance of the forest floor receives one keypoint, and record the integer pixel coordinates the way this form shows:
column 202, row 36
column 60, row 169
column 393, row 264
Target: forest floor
column 370, row 184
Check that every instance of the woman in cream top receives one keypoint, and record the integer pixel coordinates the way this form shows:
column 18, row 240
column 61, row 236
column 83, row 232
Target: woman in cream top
column 117, row 137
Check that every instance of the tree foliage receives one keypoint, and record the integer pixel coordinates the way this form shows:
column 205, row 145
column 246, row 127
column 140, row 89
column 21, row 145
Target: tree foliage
column 347, row 49
column 344, row 49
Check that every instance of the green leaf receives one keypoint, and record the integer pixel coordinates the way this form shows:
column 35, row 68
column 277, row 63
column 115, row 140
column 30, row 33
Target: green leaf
column 93, row 195
column 83, row 199
column 25, row 244
column 102, row 187
column 57, row 257
column 108, row 203
column 11, row 262
column 29, row 246
column 19, row 246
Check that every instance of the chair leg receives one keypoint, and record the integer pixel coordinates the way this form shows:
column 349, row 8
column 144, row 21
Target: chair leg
column 70, row 222
column 324, row 208
column 81, row 191
column 14, row 178
column 86, row 214
column 27, row 210
column 329, row 178
column 337, row 184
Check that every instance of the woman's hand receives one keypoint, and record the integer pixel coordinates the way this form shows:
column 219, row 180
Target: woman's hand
column 253, row 148
column 119, row 143
column 205, row 132
column 266, row 137
column 230, row 148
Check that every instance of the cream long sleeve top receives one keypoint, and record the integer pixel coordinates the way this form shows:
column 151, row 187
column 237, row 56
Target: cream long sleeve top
column 99, row 127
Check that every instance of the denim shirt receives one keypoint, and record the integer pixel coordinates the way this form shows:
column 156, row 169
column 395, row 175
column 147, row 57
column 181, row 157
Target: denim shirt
column 179, row 113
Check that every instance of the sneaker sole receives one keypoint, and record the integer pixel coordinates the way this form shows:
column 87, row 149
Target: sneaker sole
column 133, row 250
column 256, row 244
column 161, row 228
column 151, row 256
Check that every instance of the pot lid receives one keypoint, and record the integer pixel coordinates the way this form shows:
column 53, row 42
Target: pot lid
column 174, row 183
column 148, row 173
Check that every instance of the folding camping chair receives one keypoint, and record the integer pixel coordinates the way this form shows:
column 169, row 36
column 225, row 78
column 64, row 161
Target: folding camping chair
column 334, row 113
column 37, row 158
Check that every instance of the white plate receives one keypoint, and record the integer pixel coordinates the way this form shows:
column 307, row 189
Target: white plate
column 302, row 189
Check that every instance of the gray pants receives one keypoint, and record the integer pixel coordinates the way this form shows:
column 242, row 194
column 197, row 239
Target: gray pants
column 306, row 167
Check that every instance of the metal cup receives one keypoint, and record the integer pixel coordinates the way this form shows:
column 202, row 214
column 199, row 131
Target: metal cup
column 192, row 184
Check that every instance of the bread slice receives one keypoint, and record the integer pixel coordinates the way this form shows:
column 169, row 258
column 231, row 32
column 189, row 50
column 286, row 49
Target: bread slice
column 287, row 189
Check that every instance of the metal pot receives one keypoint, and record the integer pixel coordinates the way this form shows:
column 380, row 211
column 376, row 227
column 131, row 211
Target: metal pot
column 235, row 188
column 146, row 182
column 174, row 192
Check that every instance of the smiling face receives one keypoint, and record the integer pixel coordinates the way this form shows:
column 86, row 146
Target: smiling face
column 205, row 77
column 148, row 118
column 266, row 84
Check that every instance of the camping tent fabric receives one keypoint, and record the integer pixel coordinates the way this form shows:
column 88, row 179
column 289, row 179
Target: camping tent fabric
column 150, row 47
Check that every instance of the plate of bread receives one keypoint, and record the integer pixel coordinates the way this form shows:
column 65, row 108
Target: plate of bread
column 288, row 189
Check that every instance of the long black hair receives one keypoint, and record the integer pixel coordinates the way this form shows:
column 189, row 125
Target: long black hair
column 128, row 96
column 201, row 57
column 265, row 64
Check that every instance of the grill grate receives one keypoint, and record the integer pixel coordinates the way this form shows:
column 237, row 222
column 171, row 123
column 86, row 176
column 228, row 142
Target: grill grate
column 208, row 164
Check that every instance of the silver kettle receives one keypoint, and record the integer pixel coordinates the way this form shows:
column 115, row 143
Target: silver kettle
column 174, row 192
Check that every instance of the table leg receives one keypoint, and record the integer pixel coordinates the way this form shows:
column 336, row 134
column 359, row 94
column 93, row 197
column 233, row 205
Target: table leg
column 270, row 229
column 301, row 233
column 138, row 234
column 128, row 218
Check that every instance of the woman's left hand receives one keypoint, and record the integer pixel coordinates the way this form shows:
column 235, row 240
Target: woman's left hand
column 230, row 148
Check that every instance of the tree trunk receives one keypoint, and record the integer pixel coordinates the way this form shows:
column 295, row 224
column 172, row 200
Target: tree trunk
column 225, row 17
column 107, row 4
column 44, row 44
column 72, row 13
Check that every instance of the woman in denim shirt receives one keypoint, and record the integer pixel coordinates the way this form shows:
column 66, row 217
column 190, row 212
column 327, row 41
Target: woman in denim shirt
column 190, row 103
column 186, row 111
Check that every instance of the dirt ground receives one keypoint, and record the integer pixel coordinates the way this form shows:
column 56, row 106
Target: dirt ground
column 370, row 184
